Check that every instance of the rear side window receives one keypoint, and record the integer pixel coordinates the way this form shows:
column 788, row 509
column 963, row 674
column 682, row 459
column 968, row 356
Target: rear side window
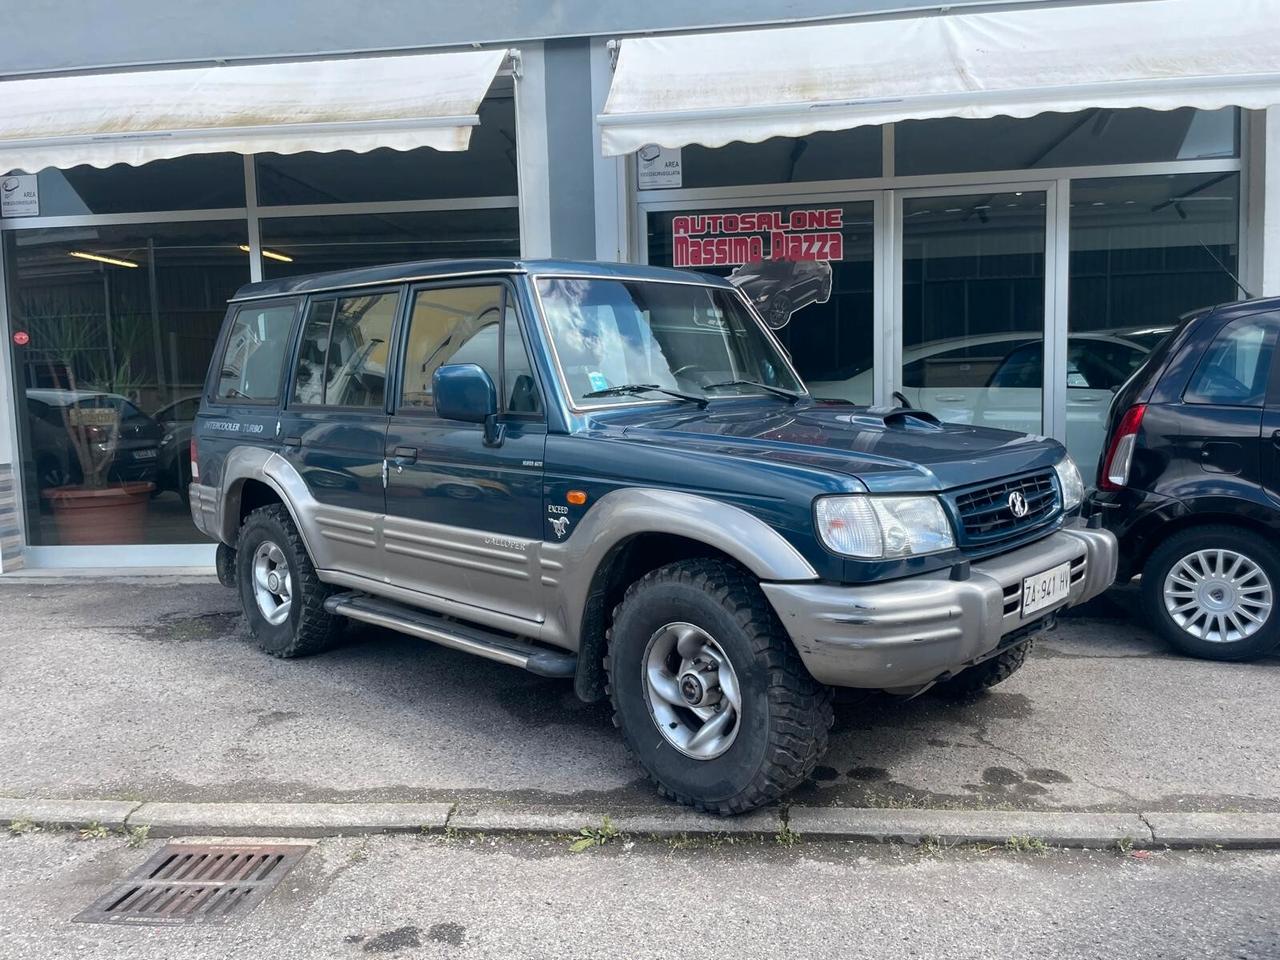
column 255, row 352
column 342, row 357
column 1235, row 368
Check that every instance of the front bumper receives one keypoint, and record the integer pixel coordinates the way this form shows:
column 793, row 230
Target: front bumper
column 907, row 633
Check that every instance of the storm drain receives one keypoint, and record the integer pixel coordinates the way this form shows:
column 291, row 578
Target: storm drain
column 196, row 883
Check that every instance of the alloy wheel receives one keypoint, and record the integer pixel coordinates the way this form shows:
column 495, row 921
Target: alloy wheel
column 693, row 691
column 272, row 583
column 1219, row 596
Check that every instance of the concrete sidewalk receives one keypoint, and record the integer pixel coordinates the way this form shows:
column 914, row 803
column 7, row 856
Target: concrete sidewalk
column 145, row 691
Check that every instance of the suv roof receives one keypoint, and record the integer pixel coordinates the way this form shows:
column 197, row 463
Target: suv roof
column 436, row 269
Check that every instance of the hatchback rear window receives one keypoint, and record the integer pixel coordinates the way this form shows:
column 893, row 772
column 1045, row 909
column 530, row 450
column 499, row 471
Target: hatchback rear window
column 252, row 363
column 1235, row 368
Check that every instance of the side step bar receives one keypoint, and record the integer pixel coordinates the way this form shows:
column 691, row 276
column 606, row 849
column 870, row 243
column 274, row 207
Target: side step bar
column 448, row 633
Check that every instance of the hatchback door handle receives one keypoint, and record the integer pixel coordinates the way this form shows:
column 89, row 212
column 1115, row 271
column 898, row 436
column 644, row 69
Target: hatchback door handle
column 404, row 455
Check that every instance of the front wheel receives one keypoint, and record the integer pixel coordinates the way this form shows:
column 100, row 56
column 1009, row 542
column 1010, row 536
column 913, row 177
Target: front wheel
column 1211, row 592
column 709, row 693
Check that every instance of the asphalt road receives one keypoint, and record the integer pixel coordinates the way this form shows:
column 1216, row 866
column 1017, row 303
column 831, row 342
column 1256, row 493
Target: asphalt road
column 146, row 689
column 432, row 897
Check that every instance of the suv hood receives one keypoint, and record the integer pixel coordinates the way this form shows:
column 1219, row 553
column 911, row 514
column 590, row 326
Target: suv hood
column 887, row 450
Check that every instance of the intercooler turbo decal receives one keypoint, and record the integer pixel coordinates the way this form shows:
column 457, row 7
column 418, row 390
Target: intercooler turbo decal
column 730, row 239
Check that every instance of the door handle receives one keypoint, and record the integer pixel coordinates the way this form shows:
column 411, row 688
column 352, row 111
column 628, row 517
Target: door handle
column 293, row 441
column 1275, row 438
column 405, row 455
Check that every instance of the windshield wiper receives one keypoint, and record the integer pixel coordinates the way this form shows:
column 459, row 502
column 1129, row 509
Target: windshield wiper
column 635, row 389
column 790, row 395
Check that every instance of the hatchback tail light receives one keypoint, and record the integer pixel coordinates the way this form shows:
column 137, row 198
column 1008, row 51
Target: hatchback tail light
column 195, row 463
column 1113, row 472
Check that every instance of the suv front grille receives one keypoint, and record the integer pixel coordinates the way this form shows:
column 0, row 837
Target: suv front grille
column 985, row 516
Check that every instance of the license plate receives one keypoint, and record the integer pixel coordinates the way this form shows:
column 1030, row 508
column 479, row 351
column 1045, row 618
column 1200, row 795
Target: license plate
column 148, row 454
column 1046, row 589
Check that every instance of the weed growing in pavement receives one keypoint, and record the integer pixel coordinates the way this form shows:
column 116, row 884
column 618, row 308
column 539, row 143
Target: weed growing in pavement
column 786, row 837
column 135, row 836
column 595, row 836
column 94, row 831
column 931, row 846
column 23, row 825
column 1124, row 846
column 1026, row 845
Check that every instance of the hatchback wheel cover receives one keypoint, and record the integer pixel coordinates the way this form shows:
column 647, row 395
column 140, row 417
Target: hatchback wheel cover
column 1219, row 596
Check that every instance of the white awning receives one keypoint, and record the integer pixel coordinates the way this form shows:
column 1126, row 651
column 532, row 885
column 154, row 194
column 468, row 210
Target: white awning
column 714, row 88
column 360, row 104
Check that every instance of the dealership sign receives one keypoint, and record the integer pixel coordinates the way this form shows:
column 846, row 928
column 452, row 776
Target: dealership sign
column 730, row 239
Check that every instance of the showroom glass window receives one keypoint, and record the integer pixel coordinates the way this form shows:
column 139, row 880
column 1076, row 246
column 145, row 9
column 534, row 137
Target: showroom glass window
column 1144, row 251
column 824, row 320
column 119, row 318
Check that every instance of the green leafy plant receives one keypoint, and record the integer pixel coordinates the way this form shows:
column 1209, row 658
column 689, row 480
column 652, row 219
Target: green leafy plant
column 595, row 836
column 22, row 826
column 1026, row 845
column 786, row 837
column 94, row 831
column 135, row 837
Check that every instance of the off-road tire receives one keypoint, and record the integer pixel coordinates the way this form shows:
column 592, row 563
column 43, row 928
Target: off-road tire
column 973, row 681
column 786, row 716
column 309, row 628
column 1237, row 539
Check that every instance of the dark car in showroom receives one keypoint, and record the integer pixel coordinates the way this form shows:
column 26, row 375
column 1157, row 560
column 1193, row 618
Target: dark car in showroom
column 1190, row 482
column 779, row 288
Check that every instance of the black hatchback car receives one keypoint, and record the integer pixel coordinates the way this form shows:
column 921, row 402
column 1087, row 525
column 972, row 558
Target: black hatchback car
column 1190, row 481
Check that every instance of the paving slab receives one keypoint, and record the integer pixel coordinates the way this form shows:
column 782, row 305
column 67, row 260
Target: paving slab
column 969, row 826
column 288, row 819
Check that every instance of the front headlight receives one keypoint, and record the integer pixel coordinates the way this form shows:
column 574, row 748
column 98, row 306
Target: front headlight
column 1069, row 482
column 874, row 528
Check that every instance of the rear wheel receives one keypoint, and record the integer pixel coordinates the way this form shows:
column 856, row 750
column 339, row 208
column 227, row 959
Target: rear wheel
column 708, row 691
column 1211, row 592
column 283, row 599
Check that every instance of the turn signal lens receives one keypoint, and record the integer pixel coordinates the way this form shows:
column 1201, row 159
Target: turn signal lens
column 195, row 465
column 576, row 497
column 1113, row 472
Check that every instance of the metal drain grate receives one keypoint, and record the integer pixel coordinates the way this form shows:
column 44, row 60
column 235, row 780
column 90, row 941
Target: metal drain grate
column 196, row 883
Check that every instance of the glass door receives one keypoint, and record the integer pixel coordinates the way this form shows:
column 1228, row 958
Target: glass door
column 972, row 304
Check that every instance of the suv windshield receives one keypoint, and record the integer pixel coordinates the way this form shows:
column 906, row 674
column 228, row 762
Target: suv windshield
column 699, row 340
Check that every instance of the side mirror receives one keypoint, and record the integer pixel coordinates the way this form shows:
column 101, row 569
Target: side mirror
column 464, row 391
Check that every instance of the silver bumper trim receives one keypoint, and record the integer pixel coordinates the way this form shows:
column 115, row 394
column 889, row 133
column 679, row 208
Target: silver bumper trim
column 909, row 632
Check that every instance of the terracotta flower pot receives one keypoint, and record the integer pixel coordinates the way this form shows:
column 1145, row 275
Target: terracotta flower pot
column 114, row 514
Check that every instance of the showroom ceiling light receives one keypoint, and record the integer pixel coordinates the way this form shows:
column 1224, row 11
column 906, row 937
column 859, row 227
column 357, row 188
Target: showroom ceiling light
column 270, row 254
column 114, row 261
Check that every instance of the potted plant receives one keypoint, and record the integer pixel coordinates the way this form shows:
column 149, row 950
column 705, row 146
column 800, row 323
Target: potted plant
column 105, row 483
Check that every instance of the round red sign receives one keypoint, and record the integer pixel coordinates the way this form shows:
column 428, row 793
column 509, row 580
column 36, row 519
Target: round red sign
column 21, row 338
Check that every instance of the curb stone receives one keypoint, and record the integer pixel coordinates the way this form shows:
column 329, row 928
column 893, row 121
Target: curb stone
column 969, row 826
column 1228, row 830
column 657, row 822
column 308, row 820
column 1239, row 831
column 112, row 814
